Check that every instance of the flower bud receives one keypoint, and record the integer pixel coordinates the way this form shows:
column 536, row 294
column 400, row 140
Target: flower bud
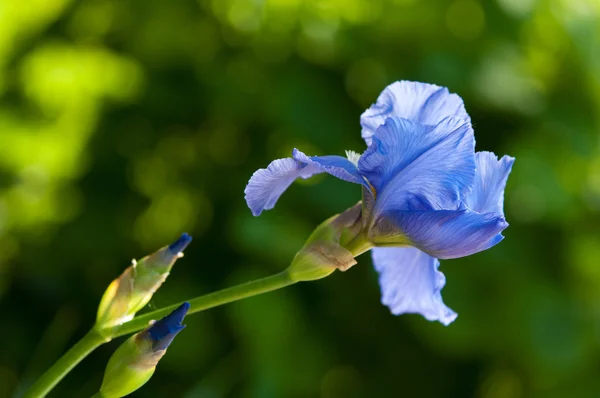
column 134, row 362
column 322, row 253
column 131, row 291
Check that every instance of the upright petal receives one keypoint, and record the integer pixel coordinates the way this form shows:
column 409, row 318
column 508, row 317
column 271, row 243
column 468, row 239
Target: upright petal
column 419, row 102
column 441, row 234
column 413, row 166
column 266, row 185
column 411, row 283
column 487, row 195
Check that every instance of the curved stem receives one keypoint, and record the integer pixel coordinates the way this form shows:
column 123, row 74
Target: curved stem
column 202, row 303
column 96, row 337
column 92, row 340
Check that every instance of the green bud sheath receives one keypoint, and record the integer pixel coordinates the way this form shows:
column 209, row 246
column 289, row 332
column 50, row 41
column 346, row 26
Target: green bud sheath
column 324, row 251
column 319, row 259
column 131, row 291
column 129, row 368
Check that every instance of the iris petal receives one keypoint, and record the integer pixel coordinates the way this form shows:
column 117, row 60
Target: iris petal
column 337, row 166
column 445, row 233
column 419, row 102
column 420, row 167
column 267, row 185
column 411, row 283
column 487, row 195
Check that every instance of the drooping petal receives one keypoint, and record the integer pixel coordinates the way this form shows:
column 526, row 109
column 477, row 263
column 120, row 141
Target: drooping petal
column 442, row 233
column 266, row 185
column 487, row 195
column 419, row 102
column 337, row 166
column 419, row 167
column 411, row 283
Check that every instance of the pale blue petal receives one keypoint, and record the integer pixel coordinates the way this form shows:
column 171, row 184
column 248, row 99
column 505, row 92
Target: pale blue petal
column 487, row 195
column 337, row 166
column 419, row 102
column 420, row 167
column 411, row 283
column 447, row 233
column 267, row 185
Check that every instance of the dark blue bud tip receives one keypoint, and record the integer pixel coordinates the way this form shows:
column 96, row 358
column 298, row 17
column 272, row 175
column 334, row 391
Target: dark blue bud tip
column 164, row 331
column 180, row 244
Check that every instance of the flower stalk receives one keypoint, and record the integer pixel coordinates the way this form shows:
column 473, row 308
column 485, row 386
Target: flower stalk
column 98, row 336
column 205, row 302
column 88, row 343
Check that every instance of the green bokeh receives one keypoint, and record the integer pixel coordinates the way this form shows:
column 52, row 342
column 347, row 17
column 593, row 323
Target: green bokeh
column 125, row 123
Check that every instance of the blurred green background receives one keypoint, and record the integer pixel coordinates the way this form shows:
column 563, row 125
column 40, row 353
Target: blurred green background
column 124, row 123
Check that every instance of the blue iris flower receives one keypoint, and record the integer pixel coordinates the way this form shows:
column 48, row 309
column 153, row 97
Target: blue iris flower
column 426, row 194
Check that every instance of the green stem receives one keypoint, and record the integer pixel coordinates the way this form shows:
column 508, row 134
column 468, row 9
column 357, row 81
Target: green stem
column 92, row 340
column 202, row 303
column 97, row 337
column 359, row 244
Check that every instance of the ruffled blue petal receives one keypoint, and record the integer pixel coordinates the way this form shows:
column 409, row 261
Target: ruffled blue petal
column 411, row 283
column 445, row 233
column 420, row 167
column 266, row 185
column 487, row 195
column 419, row 102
